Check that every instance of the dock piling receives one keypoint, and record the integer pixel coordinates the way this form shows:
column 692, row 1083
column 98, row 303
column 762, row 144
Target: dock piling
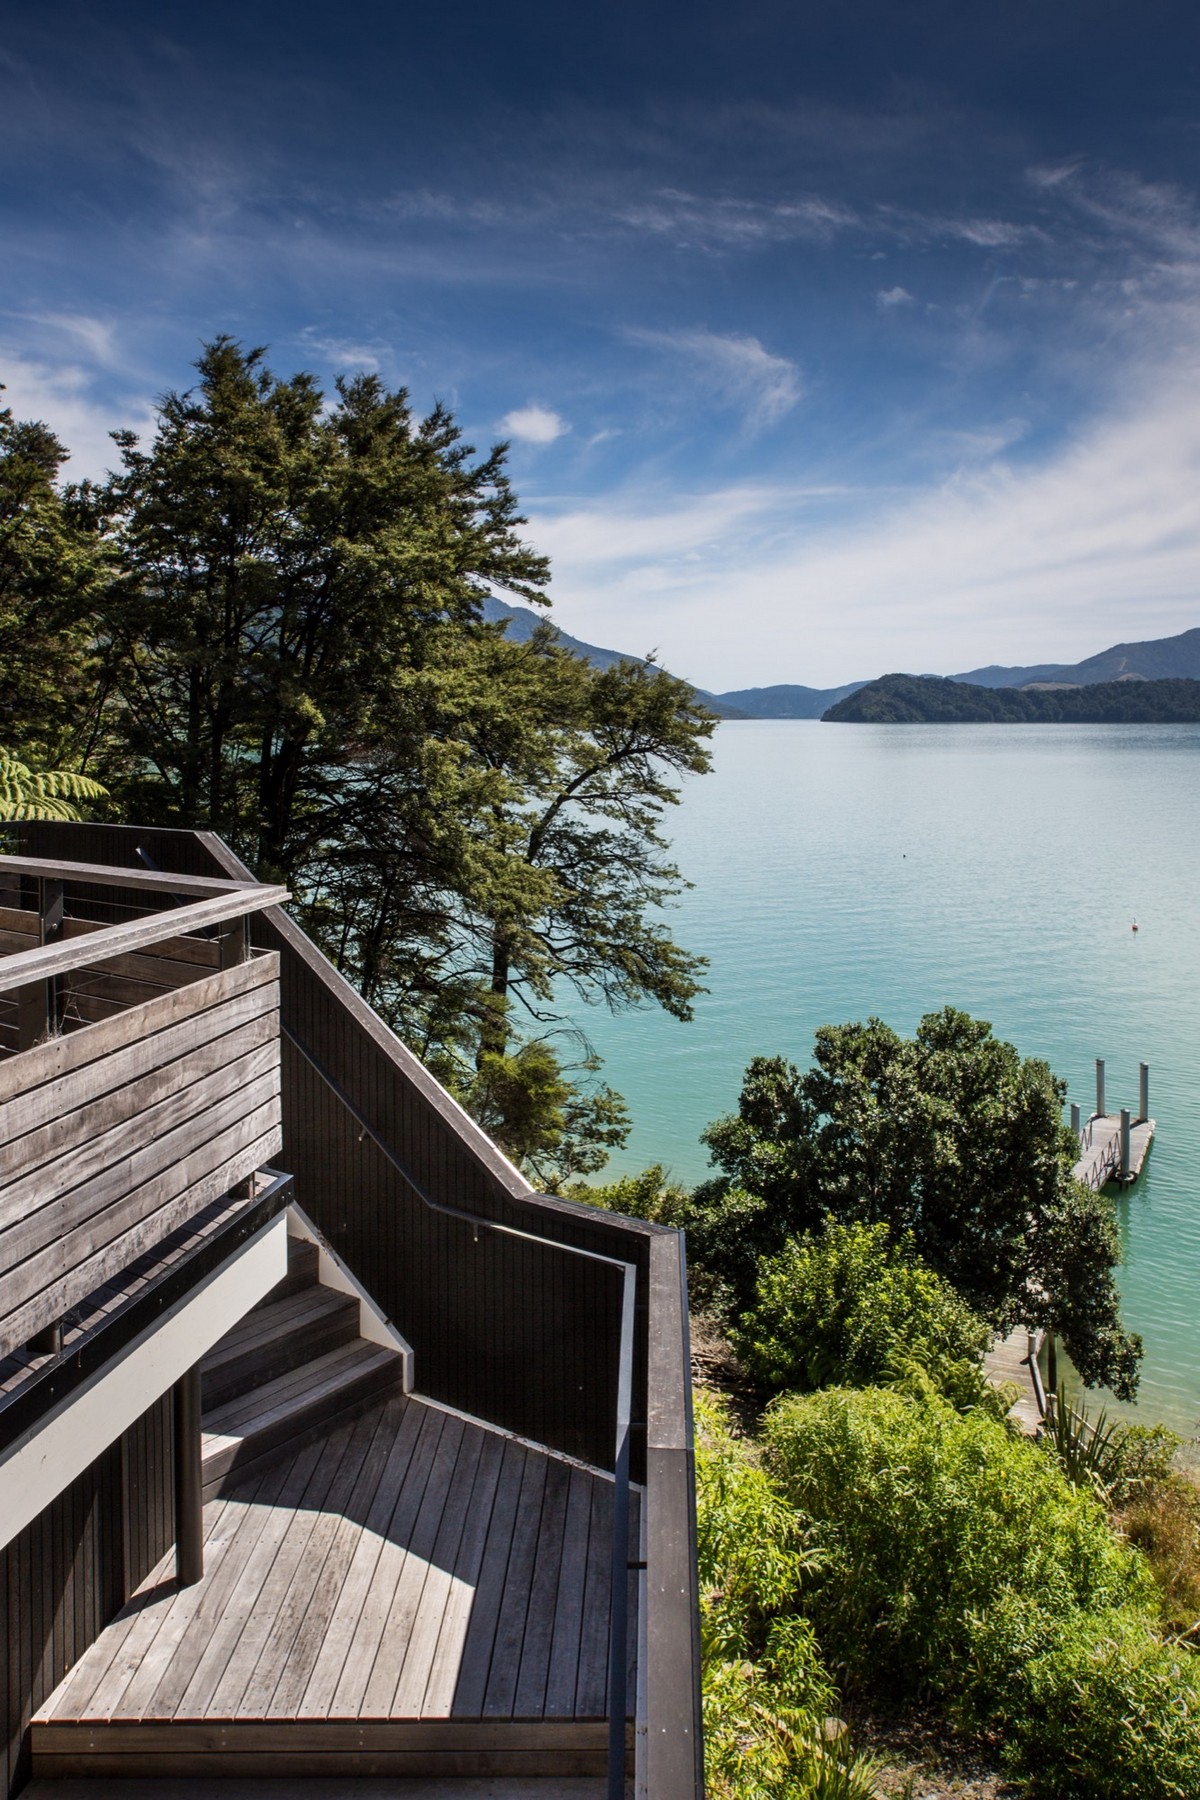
column 1076, row 1122
column 1100, row 1109
column 1143, row 1092
column 1125, row 1160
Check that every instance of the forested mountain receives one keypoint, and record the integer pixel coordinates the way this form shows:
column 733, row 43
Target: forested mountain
column 1156, row 659
column 933, row 700
column 522, row 622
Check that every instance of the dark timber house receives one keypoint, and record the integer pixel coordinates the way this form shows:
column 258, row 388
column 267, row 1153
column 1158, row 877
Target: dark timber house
column 326, row 1445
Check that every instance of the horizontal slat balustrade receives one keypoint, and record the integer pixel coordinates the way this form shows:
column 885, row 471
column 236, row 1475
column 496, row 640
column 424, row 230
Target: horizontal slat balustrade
column 114, row 1133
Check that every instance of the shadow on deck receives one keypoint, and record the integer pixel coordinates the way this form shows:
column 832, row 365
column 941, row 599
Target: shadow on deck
column 415, row 1594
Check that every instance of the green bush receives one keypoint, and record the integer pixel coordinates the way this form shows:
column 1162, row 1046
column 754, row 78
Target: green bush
column 767, row 1697
column 1091, row 1703
column 1161, row 1516
column 1119, row 1461
column 750, row 1547
column 646, row 1196
column 924, row 1518
column 851, row 1308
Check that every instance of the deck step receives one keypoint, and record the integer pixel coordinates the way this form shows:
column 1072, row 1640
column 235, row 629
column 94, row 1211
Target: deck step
column 321, row 1787
column 286, row 1749
column 272, row 1340
column 245, row 1433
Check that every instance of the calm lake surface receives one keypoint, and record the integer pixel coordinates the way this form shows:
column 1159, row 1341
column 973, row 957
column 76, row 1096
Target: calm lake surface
column 844, row 870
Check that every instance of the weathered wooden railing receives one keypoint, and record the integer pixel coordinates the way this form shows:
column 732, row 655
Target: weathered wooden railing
column 143, row 1082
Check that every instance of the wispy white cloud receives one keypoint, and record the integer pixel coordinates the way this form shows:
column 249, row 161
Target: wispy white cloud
column 344, row 353
column 889, row 298
column 534, row 425
column 764, row 386
column 66, row 397
column 97, row 338
column 631, row 540
column 1099, row 542
column 731, row 220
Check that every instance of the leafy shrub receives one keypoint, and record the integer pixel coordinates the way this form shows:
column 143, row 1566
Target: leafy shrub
column 751, row 1551
column 849, row 1307
column 729, row 1232
column 925, row 1518
column 646, row 1196
column 1093, row 1703
column 29, row 793
column 767, row 1696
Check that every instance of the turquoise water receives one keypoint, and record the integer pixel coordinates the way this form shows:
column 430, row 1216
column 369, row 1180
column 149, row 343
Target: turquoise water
column 847, row 870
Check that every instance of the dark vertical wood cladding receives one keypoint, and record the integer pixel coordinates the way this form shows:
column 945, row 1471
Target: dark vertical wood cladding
column 69, row 1572
column 511, row 1331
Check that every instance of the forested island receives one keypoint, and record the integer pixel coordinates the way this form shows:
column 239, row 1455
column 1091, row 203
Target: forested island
column 937, row 700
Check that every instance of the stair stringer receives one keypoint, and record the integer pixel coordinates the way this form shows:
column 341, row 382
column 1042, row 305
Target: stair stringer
column 373, row 1323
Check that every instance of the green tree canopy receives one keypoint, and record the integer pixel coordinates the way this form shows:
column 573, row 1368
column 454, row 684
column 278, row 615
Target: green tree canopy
column 954, row 1142
column 294, row 655
column 289, row 571
column 53, row 566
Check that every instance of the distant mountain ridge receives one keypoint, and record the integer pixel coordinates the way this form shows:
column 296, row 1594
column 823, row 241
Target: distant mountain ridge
column 1154, row 659
column 522, row 622
column 936, row 700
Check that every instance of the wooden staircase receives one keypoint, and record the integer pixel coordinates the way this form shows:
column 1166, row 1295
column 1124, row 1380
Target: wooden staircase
column 394, row 1596
column 286, row 1373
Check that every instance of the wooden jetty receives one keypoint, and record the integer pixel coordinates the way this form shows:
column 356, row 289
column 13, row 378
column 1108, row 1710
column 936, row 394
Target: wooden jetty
column 1012, row 1361
column 330, row 1452
column 1113, row 1146
column 1101, row 1156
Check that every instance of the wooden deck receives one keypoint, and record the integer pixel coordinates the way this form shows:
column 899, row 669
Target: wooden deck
column 416, row 1588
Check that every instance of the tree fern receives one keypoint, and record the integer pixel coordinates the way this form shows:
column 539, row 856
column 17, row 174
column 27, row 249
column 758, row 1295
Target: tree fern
column 27, row 793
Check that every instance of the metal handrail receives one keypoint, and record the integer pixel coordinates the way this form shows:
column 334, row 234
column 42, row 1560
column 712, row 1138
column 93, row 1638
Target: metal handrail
column 1039, row 1391
column 619, row 1592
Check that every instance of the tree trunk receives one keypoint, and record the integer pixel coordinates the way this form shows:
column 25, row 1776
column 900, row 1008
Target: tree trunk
column 493, row 1030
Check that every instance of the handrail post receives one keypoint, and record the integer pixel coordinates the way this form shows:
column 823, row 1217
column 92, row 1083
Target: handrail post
column 234, row 944
column 618, row 1616
column 189, row 1494
column 37, row 1002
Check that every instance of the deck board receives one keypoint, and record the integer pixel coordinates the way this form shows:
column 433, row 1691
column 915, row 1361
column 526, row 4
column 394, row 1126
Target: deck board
column 514, row 1604
column 568, row 1613
column 477, row 1656
column 365, row 1545
column 412, row 1565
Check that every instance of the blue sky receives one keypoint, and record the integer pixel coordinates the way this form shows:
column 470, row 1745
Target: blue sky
column 830, row 339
